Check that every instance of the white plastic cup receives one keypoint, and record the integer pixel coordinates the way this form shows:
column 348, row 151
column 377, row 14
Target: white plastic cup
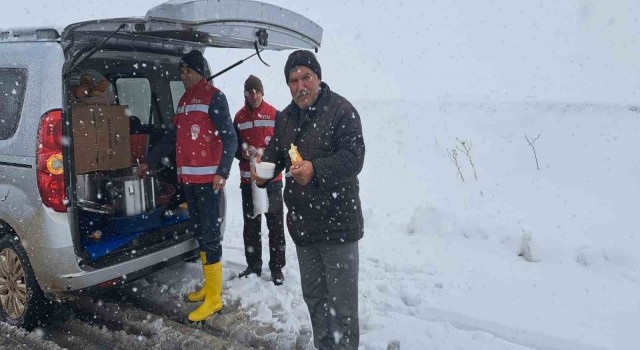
column 265, row 170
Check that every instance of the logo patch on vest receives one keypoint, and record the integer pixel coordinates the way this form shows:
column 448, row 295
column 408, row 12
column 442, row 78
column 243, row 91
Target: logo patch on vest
column 267, row 140
column 263, row 116
column 195, row 131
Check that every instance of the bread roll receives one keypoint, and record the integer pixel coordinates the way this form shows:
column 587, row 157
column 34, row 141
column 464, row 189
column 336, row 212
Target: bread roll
column 294, row 154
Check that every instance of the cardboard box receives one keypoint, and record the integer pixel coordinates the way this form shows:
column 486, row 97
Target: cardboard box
column 100, row 138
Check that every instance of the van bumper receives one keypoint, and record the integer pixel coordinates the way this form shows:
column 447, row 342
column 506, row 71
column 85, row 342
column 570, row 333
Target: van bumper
column 74, row 278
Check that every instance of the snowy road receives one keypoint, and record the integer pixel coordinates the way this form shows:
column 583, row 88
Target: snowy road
column 149, row 314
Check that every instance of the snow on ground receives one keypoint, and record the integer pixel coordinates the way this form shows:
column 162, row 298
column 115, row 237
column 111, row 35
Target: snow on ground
column 440, row 265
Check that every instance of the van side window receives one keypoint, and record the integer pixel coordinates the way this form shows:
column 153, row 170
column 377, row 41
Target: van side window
column 177, row 90
column 13, row 84
column 135, row 93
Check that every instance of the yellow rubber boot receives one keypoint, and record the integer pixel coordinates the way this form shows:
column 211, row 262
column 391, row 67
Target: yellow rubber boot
column 213, row 289
column 199, row 294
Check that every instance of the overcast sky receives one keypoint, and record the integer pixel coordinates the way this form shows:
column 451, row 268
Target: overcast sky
column 581, row 50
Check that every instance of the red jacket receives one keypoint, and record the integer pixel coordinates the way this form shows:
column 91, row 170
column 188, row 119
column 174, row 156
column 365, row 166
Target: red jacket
column 255, row 127
column 198, row 145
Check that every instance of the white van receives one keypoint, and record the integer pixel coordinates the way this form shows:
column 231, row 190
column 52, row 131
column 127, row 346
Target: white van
column 72, row 216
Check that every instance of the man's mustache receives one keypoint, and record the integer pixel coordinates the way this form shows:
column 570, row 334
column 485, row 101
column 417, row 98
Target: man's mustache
column 302, row 93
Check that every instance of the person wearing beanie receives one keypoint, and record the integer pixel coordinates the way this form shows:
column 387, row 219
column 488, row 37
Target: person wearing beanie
column 324, row 215
column 253, row 83
column 254, row 124
column 302, row 58
column 205, row 142
column 195, row 61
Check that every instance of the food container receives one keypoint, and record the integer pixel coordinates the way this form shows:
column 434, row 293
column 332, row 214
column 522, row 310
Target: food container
column 132, row 195
column 265, row 170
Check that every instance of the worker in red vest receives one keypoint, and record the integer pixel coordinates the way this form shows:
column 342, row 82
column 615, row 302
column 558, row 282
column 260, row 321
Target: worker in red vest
column 205, row 143
column 254, row 124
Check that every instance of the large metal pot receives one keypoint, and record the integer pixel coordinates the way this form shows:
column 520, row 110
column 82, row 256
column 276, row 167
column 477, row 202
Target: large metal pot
column 92, row 194
column 132, row 195
column 90, row 187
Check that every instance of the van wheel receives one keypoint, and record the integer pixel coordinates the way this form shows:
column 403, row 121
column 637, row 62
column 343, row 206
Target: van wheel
column 22, row 302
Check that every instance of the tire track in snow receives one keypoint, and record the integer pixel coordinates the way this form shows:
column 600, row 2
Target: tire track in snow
column 231, row 323
column 513, row 335
column 460, row 321
column 142, row 329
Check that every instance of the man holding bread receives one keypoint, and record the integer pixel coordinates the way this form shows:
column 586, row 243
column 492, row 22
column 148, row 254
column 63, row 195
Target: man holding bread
column 318, row 138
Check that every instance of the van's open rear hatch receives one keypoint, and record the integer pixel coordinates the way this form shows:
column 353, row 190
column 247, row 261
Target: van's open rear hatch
column 224, row 23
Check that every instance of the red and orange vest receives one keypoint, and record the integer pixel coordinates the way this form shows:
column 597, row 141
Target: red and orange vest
column 256, row 128
column 198, row 145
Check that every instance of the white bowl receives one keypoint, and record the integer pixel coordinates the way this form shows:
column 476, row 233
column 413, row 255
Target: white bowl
column 265, row 170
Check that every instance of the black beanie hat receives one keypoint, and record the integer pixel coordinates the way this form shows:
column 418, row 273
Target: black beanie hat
column 302, row 58
column 253, row 83
column 194, row 60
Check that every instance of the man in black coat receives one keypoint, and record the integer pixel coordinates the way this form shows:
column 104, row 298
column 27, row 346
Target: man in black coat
column 322, row 196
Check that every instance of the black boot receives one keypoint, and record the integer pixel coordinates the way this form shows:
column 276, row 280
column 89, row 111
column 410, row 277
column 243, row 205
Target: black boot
column 249, row 270
column 277, row 277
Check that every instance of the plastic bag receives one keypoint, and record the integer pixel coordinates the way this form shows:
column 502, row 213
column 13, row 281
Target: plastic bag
column 260, row 197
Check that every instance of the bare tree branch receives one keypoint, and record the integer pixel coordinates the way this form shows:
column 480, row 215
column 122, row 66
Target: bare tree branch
column 532, row 144
column 453, row 155
column 466, row 149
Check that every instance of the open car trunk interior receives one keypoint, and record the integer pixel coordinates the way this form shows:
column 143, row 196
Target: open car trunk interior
column 119, row 214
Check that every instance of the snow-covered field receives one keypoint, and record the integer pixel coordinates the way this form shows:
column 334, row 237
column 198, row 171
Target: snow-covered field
column 440, row 264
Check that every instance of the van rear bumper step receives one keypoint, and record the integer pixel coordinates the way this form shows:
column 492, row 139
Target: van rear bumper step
column 127, row 269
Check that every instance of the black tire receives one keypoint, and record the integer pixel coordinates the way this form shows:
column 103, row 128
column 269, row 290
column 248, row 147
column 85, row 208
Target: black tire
column 22, row 302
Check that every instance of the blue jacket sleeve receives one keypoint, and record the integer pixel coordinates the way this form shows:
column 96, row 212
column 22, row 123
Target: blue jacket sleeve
column 219, row 112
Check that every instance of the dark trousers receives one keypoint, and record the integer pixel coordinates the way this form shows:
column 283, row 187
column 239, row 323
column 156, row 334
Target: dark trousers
column 329, row 279
column 204, row 212
column 253, row 226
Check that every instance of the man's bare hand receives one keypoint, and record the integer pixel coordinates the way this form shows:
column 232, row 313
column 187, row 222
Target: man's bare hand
column 143, row 170
column 302, row 172
column 218, row 182
column 245, row 154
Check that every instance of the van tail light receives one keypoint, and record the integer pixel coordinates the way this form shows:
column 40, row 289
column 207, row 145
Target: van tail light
column 49, row 166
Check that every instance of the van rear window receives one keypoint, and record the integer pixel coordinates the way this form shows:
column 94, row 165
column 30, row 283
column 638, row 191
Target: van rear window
column 13, row 84
column 136, row 93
